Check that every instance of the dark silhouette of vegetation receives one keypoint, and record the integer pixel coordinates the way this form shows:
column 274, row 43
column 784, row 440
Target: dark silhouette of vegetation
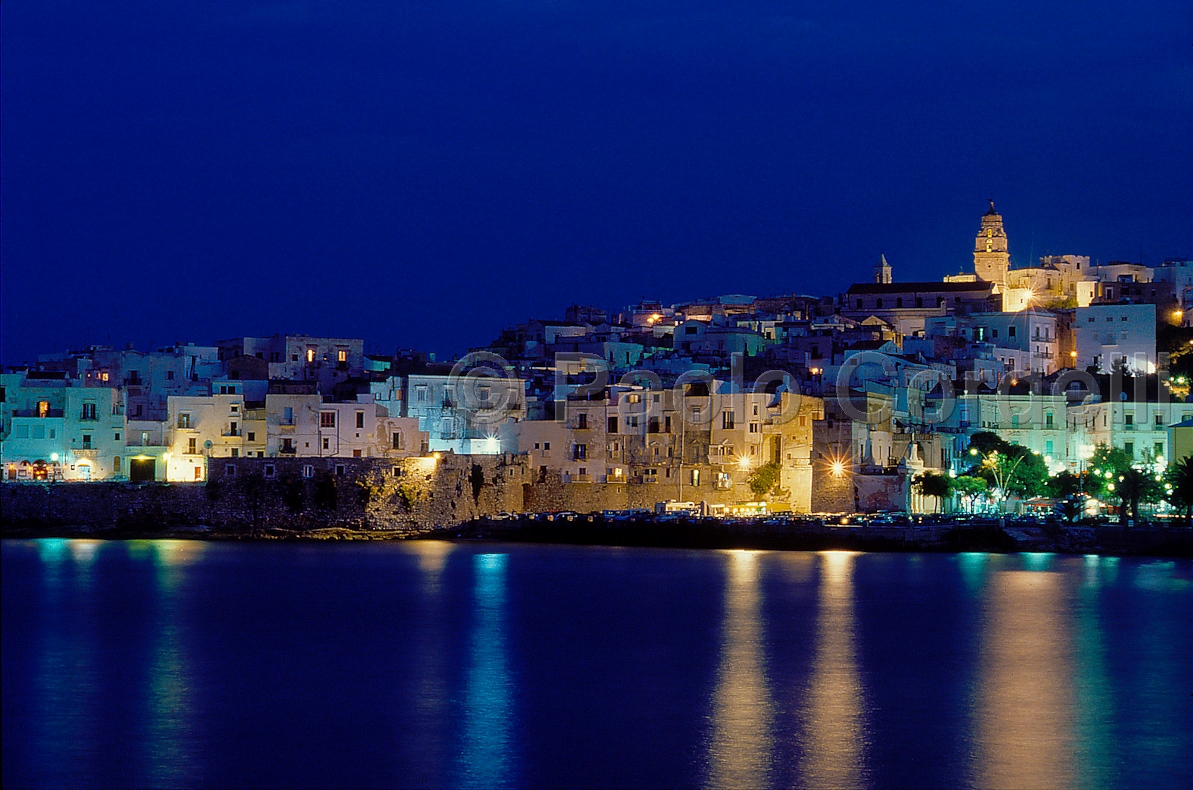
column 1180, row 477
column 934, row 485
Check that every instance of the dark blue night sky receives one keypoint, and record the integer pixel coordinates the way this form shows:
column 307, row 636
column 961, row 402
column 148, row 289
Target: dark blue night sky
column 422, row 174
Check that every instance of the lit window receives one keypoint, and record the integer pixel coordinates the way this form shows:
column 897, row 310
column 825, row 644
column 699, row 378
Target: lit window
column 341, row 355
column 310, row 355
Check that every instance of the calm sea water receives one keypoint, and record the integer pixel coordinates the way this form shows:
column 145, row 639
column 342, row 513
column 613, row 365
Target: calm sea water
column 176, row 663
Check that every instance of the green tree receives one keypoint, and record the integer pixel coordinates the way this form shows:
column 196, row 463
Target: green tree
column 1008, row 468
column 1105, row 466
column 765, row 478
column 934, row 485
column 969, row 488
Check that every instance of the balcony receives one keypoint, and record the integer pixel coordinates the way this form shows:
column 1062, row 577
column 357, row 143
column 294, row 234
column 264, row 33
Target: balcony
column 58, row 413
column 231, row 433
column 580, row 478
column 287, row 450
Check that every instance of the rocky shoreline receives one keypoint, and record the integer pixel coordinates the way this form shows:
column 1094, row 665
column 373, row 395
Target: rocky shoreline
column 771, row 534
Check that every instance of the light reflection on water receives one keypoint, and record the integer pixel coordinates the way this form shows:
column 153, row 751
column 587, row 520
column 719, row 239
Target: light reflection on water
column 834, row 720
column 169, row 754
column 1072, row 670
column 739, row 749
column 1024, row 710
column 487, row 759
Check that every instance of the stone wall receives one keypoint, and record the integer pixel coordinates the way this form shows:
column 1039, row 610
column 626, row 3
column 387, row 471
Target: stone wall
column 268, row 493
column 403, row 495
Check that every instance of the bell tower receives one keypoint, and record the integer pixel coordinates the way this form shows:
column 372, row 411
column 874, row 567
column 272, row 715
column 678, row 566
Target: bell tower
column 990, row 257
column 882, row 271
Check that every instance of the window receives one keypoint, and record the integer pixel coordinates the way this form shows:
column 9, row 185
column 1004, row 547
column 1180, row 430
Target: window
column 1130, row 419
column 230, row 470
column 88, row 411
column 1130, row 448
column 878, row 302
column 1048, row 420
column 727, row 420
column 1048, row 447
column 340, row 469
column 899, row 302
column 116, row 436
column 582, row 421
column 919, row 301
column 308, row 471
column 580, row 452
column 252, row 436
column 1159, row 419
column 547, row 446
column 86, row 441
column 859, row 304
column 235, row 452
column 198, row 473
column 695, row 477
column 397, row 440
column 184, row 420
column 360, row 419
column 755, row 428
column 234, row 428
column 310, row 355
column 43, row 408
column 270, row 470
column 116, row 465
column 234, row 409
column 1011, row 332
column 327, row 419
column 612, row 425
column 341, row 356
column 356, row 453
column 326, row 443
column 420, row 394
column 192, row 446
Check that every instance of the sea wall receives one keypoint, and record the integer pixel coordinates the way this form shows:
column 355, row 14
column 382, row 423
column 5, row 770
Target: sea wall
column 408, row 495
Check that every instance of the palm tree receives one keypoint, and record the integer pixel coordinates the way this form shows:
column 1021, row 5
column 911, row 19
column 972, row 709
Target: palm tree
column 1133, row 486
column 1180, row 477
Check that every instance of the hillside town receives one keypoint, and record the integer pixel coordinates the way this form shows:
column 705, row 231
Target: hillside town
column 889, row 396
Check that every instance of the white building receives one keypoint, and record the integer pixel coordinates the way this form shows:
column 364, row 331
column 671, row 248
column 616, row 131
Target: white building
column 1106, row 334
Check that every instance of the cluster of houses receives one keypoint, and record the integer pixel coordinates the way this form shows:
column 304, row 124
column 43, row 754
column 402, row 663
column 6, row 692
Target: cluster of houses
column 843, row 399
